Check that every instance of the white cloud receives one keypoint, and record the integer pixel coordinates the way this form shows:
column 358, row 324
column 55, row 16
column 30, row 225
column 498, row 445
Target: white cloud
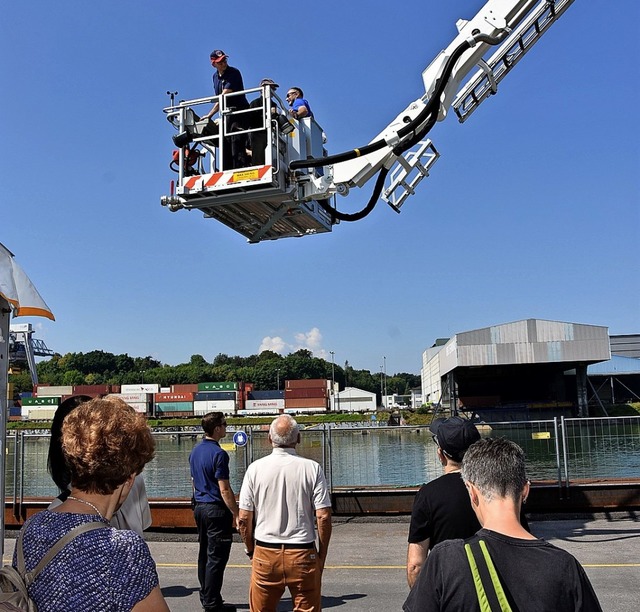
column 311, row 340
column 275, row 344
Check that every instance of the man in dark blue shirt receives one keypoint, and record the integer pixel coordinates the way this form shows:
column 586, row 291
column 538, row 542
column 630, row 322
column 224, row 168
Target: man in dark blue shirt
column 216, row 510
column 227, row 80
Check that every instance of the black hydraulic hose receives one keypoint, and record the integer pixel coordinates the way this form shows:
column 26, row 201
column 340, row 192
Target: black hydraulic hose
column 336, row 214
column 426, row 111
column 428, row 116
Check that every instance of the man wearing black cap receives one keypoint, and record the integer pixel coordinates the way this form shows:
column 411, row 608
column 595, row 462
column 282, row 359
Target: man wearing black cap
column 226, row 81
column 441, row 509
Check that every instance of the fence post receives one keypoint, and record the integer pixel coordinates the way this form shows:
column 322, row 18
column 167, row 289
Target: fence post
column 558, row 465
column 563, row 426
column 329, row 474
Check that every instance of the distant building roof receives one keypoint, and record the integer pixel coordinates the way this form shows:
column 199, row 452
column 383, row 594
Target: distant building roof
column 530, row 341
column 615, row 366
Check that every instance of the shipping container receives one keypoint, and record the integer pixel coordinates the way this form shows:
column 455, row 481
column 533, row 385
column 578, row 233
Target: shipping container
column 214, row 395
column 48, row 390
column 40, row 401
column 40, row 414
column 262, row 412
column 305, row 383
column 203, row 407
column 163, row 407
column 305, row 403
column 268, row 404
column 218, row 386
column 142, row 388
column 260, row 395
column 133, row 398
column 184, row 388
column 173, row 397
column 143, row 408
column 303, row 410
column 15, row 411
column 304, row 393
column 170, row 414
column 91, row 389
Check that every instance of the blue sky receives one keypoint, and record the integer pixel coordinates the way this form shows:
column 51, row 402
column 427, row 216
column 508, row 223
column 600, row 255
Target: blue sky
column 531, row 211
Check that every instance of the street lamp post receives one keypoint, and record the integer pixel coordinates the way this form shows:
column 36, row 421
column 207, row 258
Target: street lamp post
column 381, row 389
column 333, row 379
column 384, row 361
column 278, row 377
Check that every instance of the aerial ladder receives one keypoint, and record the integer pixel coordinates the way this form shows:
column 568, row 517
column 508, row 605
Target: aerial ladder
column 294, row 185
column 24, row 348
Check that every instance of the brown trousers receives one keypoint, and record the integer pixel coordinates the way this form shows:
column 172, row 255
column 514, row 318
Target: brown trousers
column 274, row 569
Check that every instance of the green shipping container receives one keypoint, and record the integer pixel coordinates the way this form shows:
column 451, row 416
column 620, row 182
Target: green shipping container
column 218, row 386
column 174, row 407
column 40, row 401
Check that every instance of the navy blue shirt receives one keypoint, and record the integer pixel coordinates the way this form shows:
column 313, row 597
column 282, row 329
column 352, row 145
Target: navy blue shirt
column 230, row 79
column 208, row 463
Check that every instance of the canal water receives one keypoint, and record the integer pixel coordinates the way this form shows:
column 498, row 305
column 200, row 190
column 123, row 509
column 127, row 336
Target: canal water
column 370, row 456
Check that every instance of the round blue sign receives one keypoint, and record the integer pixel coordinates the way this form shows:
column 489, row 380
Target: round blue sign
column 240, row 438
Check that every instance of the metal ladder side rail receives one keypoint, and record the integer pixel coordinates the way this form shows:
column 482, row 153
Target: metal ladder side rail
column 401, row 185
column 484, row 84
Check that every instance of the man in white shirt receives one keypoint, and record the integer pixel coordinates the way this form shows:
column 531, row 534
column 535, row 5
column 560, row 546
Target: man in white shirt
column 281, row 495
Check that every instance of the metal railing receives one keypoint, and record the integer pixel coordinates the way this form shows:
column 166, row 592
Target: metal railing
column 557, row 451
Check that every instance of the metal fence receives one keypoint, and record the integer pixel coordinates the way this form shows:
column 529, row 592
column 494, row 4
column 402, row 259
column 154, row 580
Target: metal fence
column 557, row 450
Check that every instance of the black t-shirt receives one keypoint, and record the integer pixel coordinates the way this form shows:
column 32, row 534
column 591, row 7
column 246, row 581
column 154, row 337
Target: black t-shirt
column 442, row 511
column 535, row 575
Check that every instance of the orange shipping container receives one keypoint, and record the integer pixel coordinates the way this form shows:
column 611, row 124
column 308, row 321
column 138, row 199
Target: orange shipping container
column 305, row 403
column 173, row 397
column 306, row 383
column 184, row 388
column 305, row 393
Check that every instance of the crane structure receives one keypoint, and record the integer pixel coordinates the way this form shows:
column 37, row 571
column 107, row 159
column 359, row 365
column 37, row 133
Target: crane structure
column 294, row 185
column 24, row 348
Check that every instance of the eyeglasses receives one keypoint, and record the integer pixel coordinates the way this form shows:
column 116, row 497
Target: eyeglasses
column 291, row 93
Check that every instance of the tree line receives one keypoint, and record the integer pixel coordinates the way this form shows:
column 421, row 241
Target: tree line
column 264, row 370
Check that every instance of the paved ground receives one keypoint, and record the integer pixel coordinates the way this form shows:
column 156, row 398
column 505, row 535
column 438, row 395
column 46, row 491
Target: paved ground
column 365, row 569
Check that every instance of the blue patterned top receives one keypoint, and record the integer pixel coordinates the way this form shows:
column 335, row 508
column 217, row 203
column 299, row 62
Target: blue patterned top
column 104, row 570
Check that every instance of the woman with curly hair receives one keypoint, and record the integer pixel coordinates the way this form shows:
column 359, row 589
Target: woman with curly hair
column 105, row 444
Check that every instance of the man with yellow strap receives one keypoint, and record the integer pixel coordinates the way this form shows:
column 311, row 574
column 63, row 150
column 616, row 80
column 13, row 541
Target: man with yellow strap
column 502, row 567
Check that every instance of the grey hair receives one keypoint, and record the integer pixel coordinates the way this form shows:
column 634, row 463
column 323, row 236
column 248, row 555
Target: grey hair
column 496, row 466
column 284, row 431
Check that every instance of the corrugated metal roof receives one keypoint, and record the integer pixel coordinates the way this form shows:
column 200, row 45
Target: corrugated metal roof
column 526, row 342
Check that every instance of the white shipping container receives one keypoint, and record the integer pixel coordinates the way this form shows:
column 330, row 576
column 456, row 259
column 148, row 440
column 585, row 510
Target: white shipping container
column 38, row 413
column 258, row 412
column 49, row 391
column 133, row 398
column 139, row 407
column 264, row 404
column 202, row 407
column 145, row 388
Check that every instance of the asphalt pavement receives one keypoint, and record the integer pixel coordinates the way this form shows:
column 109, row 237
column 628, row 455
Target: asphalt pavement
column 366, row 565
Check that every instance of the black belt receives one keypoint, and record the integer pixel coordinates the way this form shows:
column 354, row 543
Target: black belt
column 285, row 546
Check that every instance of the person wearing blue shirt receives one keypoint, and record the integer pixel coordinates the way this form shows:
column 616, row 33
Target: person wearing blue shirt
column 215, row 510
column 227, row 80
column 299, row 107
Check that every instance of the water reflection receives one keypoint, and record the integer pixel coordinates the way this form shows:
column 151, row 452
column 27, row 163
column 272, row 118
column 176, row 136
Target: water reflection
column 366, row 457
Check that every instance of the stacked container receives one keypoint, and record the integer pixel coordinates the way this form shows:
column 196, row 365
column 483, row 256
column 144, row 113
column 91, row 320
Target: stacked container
column 215, row 397
column 174, row 404
column 307, row 395
column 263, row 402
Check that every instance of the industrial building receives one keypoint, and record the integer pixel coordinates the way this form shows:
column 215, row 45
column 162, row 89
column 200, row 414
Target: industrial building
column 352, row 399
column 515, row 370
